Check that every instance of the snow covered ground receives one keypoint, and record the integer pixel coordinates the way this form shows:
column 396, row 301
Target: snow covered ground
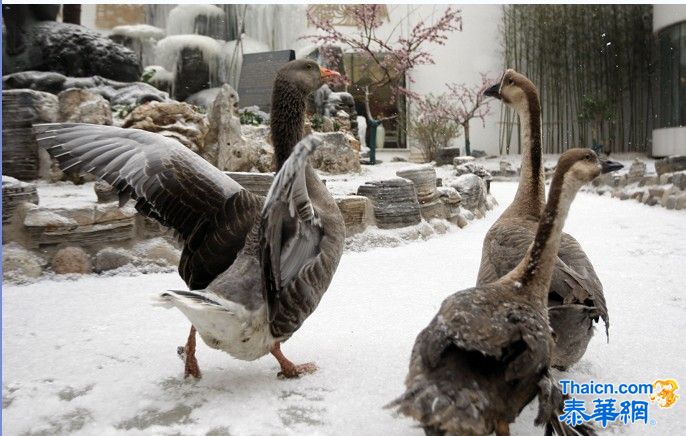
column 92, row 356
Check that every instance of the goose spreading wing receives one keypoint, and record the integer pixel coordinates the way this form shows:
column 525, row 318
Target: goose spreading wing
column 210, row 212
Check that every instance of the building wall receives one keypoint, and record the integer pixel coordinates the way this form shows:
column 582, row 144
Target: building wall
column 670, row 140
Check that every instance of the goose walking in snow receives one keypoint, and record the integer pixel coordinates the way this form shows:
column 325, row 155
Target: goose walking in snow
column 256, row 268
column 487, row 352
column 575, row 297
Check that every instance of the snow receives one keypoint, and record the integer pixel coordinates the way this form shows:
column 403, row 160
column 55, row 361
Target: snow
column 92, row 356
column 139, row 31
column 168, row 50
column 182, row 19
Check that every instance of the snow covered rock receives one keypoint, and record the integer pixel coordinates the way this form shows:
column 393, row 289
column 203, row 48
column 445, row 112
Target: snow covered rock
column 424, row 180
column 224, row 132
column 172, row 119
column 472, row 168
column 472, row 189
column 112, row 258
column 679, row 180
column 158, row 251
column 670, row 165
column 336, row 154
column 83, row 106
column 394, row 201
column 637, row 170
column 71, row 260
column 20, row 264
column 254, row 153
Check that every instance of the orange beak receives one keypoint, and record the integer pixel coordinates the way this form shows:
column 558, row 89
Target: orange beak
column 328, row 74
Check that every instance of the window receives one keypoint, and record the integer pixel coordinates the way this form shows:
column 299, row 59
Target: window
column 671, row 76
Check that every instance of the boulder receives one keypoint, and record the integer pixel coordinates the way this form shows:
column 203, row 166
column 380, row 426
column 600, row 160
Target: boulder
column 253, row 153
column 679, row 180
column 71, row 260
column 394, row 201
column 460, row 160
column 473, row 168
column 681, row 201
column 83, row 106
column 73, row 50
column 112, row 258
column 478, row 153
column 447, row 155
column 20, row 264
column 224, row 132
column 173, row 119
column 336, row 154
column 506, row 169
column 21, row 108
column 670, row 164
column 157, row 251
column 357, row 211
column 472, row 189
column 636, row 170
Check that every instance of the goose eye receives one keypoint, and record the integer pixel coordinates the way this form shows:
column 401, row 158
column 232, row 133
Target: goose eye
column 588, row 157
column 511, row 82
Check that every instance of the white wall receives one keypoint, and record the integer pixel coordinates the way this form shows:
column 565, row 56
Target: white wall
column 664, row 15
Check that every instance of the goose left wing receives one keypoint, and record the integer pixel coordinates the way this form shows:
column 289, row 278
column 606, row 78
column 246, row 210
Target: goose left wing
column 290, row 229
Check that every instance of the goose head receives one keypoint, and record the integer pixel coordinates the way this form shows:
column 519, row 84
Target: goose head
column 581, row 165
column 513, row 89
column 305, row 74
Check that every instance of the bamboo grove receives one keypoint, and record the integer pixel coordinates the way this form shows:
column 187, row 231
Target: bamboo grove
column 578, row 54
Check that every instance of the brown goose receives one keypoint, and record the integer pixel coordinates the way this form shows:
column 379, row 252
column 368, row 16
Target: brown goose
column 576, row 296
column 256, row 268
column 486, row 354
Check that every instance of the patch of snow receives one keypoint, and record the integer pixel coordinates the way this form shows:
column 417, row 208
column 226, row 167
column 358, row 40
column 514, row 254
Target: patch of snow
column 89, row 355
column 139, row 31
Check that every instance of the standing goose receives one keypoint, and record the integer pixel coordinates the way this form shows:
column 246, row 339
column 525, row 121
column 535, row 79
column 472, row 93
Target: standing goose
column 576, row 296
column 256, row 268
column 486, row 354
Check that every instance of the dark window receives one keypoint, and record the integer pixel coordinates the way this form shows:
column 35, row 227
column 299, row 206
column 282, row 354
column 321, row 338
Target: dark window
column 671, row 76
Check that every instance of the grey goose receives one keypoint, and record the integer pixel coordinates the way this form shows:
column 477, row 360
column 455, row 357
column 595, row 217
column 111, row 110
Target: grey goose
column 256, row 268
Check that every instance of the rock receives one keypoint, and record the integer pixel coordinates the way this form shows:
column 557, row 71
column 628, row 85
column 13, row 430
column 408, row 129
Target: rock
column 473, row 168
column 637, row 170
column 449, row 195
column 666, row 178
column 20, row 264
column 679, row 180
column 21, row 108
column 158, row 251
column 127, row 94
column 358, row 213
column 648, row 181
column 335, row 155
column 681, row 201
column 112, row 258
column 224, row 132
column 472, row 188
column 670, row 202
column 424, row 180
column 71, row 260
column 73, row 50
column 105, row 192
column 478, row 153
column 670, row 164
column 15, row 192
column 254, row 153
column 459, row 220
column 507, row 169
column 491, row 202
column 174, row 119
column 83, row 106
column 462, row 160
column 257, row 183
column 394, row 201
column 447, row 155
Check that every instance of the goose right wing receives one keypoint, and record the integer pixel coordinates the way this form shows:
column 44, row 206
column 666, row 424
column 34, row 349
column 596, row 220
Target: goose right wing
column 211, row 212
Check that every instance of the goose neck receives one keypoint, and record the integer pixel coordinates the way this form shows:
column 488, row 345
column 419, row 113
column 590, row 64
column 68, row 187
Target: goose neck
column 287, row 119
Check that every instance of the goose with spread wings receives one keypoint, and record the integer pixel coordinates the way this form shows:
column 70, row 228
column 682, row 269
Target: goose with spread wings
column 256, row 267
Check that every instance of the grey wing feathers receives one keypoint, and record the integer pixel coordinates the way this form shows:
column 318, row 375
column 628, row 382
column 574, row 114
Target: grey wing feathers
column 169, row 183
column 290, row 230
